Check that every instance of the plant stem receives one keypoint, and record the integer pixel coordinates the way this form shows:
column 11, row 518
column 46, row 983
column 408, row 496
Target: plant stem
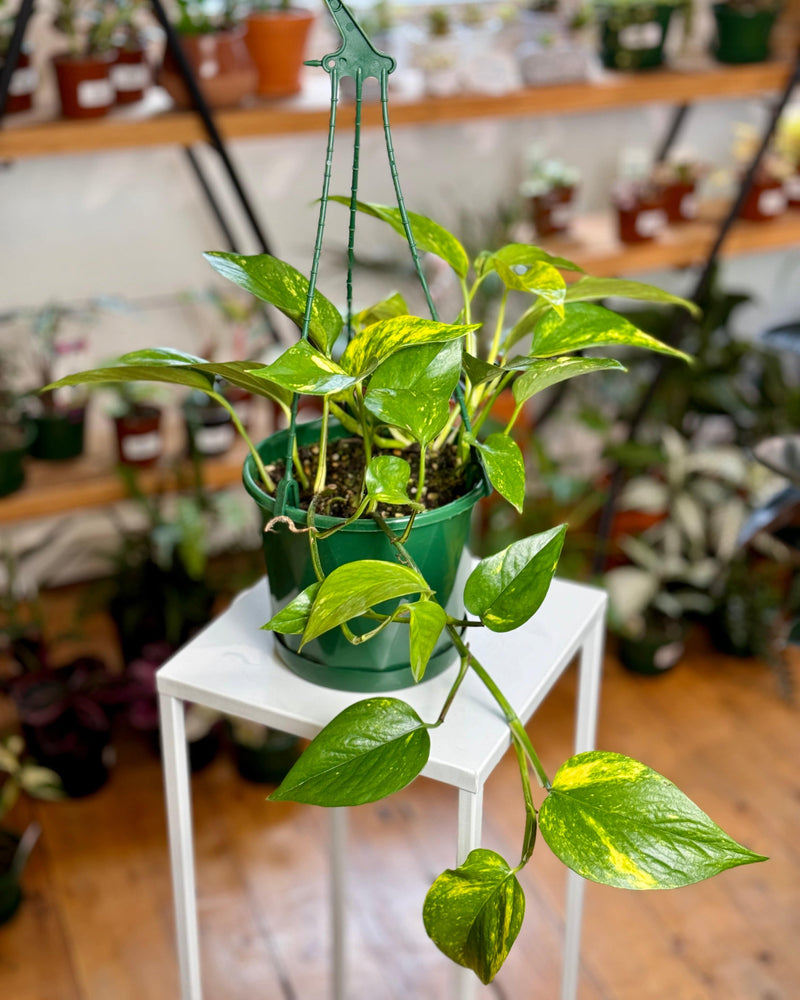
column 421, row 477
column 498, row 331
column 514, row 418
column 529, row 837
column 301, row 472
column 517, row 729
column 487, row 409
column 462, row 673
column 322, row 460
column 402, row 552
column 269, row 485
column 351, row 424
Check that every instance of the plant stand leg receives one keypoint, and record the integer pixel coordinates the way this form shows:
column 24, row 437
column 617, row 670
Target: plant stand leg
column 179, row 824
column 470, row 822
column 590, row 670
column 338, row 844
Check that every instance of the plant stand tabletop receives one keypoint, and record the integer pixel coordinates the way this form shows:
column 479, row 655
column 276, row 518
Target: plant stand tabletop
column 246, row 679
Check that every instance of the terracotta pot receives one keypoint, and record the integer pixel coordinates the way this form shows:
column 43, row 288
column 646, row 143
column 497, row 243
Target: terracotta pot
column 222, row 65
column 552, row 212
column 21, row 88
column 680, row 202
column 130, row 75
column 139, row 440
column 84, row 84
column 641, row 217
column 277, row 43
column 765, row 200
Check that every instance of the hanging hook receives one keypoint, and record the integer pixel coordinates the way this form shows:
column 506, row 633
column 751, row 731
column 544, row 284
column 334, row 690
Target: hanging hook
column 356, row 53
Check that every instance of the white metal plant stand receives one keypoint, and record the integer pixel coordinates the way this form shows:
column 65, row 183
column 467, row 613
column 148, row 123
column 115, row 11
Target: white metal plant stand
column 232, row 667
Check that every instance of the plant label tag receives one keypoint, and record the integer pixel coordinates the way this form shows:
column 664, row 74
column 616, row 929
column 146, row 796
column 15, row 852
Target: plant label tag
column 207, row 69
column 95, row 93
column 772, row 201
column 688, row 207
column 638, row 37
column 23, row 82
column 792, row 187
column 561, row 215
column 650, row 222
column 667, row 656
column 214, row 440
column 128, row 77
column 141, row 447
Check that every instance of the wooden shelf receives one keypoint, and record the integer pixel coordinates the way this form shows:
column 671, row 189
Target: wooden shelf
column 594, row 245
column 309, row 112
column 91, row 481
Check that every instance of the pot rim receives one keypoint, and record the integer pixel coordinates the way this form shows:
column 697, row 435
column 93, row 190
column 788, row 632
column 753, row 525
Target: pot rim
column 266, row 502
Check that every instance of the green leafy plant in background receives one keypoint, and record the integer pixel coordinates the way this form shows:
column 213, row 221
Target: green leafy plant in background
column 392, row 385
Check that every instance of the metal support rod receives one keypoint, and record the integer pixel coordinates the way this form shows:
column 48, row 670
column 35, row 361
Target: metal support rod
column 678, row 118
column 211, row 198
column 700, row 292
column 202, row 108
column 13, row 51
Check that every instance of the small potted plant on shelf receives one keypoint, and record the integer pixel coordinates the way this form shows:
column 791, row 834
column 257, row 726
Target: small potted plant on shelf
column 83, row 71
column 263, row 756
column 130, row 74
column 137, row 425
column 58, row 417
column 641, row 211
column 16, row 435
column 212, row 38
column 787, row 145
column 550, row 191
column 277, row 35
column 19, row 774
column 633, row 32
column 209, row 426
column 743, row 30
column 682, row 560
column 767, row 197
column 678, row 181
column 25, row 78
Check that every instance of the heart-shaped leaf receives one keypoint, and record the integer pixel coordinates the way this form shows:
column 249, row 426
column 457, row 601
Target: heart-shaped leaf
column 426, row 621
column 474, row 913
column 386, row 481
column 388, row 308
column 585, row 325
column 411, row 411
column 589, row 288
column 524, row 255
column 505, row 467
column 292, row 619
column 506, row 589
column 480, row 371
column 284, row 287
column 428, row 235
column 541, row 373
column 520, row 271
column 354, row 588
column 616, row 821
column 374, row 344
column 370, row 750
column 302, row 368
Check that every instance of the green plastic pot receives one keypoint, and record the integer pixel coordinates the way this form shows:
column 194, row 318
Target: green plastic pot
column 632, row 35
column 59, row 436
column 742, row 36
column 269, row 762
column 437, row 543
column 655, row 652
column 12, row 462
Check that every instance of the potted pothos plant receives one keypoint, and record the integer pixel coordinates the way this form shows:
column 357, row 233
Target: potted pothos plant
column 25, row 78
column 367, row 516
column 549, row 189
column 15, row 434
column 19, row 774
column 633, row 32
column 212, row 38
column 130, row 74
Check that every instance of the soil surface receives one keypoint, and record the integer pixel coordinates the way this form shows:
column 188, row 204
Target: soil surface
column 444, row 478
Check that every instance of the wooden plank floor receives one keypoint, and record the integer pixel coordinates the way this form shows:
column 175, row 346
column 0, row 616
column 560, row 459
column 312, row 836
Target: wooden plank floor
column 97, row 921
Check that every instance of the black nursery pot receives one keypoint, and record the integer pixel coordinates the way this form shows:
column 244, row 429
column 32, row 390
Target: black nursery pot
column 10, row 891
column 657, row 651
column 209, row 428
column 12, row 456
column 632, row 35
column 270, row 761
column 742, row 35
column 77, row 754
column 59, row 435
